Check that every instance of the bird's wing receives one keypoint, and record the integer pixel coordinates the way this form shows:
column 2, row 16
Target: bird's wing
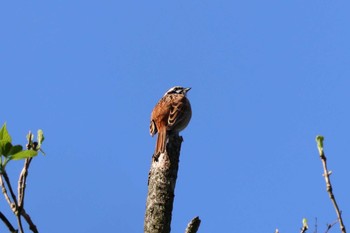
column 176, row 111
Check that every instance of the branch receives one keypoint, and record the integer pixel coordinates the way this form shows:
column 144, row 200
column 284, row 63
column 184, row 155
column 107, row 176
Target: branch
column 329, row 226
column 305, row 226
column 22, row 183
column 13, row 196
column 315, row 225
column 303, row 229
column 7, row 223
column 21, row 192
column 193, row 226
column 161, row 187
column 326, row 174
column 15, row 207
column 4, row 191
column 32, row 226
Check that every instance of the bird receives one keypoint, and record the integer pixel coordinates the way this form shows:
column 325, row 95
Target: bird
column 171, row 114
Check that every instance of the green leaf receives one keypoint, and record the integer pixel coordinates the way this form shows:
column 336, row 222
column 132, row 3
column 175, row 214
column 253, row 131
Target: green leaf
column 5, row 147
column 4, row 134
column 24, row 154
column 15, row 149
column 319, row 141
column 41, row 137
column 2, row 144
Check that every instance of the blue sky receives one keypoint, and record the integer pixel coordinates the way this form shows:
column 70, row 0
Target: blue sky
column 266, row 78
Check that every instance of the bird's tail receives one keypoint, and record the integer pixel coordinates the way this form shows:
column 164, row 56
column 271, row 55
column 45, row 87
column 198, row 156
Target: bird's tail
column 161, row 143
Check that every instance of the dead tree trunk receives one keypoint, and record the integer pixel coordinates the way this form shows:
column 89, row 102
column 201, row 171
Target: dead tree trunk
column 161, row 187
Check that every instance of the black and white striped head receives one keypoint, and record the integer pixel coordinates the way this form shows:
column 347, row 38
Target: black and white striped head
column 177, row 90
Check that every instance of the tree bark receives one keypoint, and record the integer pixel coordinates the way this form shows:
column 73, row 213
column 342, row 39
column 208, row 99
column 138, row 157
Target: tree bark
column 161, row 187
column 193, row 226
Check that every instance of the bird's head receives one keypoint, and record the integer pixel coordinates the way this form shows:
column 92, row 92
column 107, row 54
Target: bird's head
column 177, row 90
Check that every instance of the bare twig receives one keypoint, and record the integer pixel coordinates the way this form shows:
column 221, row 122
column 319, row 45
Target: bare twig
column 15, row 209
column 8, row 183
column 315, row 225
column 7, row 223
column 329, row 226
column 22, row 183
column 303, row 229
column 21, row 193
column 32, row 226
column 193, row 226
column 4, row 191
column 305, row 226
column 326, row 174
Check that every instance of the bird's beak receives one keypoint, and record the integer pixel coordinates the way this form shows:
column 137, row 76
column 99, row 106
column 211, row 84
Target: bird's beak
column 187, row 89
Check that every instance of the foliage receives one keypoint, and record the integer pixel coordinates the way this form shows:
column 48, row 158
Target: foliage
column 10, row 152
